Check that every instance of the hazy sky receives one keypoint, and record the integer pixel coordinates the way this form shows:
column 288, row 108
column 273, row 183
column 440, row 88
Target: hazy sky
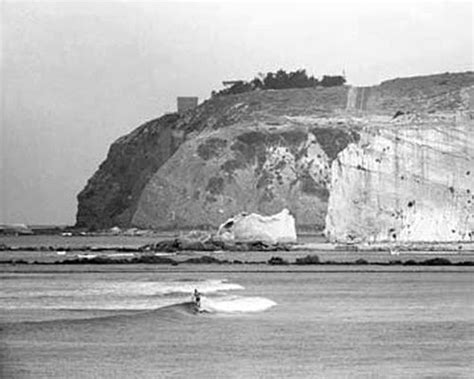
column 76, row 75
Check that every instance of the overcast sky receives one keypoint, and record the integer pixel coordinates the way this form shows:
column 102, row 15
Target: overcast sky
column 76, row 76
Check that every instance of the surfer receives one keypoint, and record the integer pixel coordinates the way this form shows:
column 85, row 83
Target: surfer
column 197, row 298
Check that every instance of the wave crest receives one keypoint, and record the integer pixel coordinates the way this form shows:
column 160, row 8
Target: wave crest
column 236, row 304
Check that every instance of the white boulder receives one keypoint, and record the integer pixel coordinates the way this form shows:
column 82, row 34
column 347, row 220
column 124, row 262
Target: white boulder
column 278, row 228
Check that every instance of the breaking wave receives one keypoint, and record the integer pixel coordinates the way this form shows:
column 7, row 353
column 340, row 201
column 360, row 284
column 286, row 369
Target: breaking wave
column 206, row 287
column 105, row 288
column 236, row 304
column 112, row 295
column 218, row 305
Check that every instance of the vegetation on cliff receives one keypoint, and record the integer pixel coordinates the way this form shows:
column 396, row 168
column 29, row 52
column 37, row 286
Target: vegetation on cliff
column 281, row 80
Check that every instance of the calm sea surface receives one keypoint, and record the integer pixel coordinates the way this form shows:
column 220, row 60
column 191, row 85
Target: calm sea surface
column 62, row 322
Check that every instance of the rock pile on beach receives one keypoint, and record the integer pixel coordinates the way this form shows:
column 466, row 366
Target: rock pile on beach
column 185, row 244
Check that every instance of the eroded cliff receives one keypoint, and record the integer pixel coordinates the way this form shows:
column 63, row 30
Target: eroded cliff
column 367, row 152
column 409, row 177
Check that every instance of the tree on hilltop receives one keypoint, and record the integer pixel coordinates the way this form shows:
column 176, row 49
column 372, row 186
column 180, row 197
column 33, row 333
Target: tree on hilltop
column 281, row 80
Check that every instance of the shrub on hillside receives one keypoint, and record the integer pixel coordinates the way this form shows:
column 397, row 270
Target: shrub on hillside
column 282, row 80
column 332, row 81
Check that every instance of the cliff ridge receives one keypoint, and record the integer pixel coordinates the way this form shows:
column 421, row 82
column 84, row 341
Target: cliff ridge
column 348, row 160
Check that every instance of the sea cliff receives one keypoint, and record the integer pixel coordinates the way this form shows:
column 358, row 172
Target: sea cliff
column 382, row 163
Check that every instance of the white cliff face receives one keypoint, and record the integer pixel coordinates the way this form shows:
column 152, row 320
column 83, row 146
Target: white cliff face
column 407, row 179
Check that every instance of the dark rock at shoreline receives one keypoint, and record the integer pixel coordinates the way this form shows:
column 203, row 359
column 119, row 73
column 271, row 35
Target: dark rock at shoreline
column 396, row 262
column 436, row 262
column 178, row 244
column 205, row 259
column 147, row 259
column 94, row 260
column 15, row 262
column 262, row 246
column 308, row 260
column 277, row 261
column 153, row 259
column 129, row 249
column 465, row 263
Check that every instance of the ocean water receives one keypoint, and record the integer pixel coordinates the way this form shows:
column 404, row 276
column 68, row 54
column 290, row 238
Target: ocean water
column 66, row 323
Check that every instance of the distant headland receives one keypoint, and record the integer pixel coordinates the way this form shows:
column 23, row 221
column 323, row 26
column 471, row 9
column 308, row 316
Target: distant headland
column 388, row 163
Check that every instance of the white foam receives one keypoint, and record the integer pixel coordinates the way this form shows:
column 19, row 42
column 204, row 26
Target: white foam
column 107, row 294
column 206, row 286
column 124, row 288
column 236, row 304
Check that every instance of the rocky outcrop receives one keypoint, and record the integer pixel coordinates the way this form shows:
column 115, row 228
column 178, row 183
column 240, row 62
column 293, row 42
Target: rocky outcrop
column 111, row 195
column 255, row 152
column 367, row 152
column 277, row 228
column 244, row 168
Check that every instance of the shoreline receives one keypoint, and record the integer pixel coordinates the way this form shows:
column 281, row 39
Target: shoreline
column 308, row 260
column 166, row 250
column 164, row 246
